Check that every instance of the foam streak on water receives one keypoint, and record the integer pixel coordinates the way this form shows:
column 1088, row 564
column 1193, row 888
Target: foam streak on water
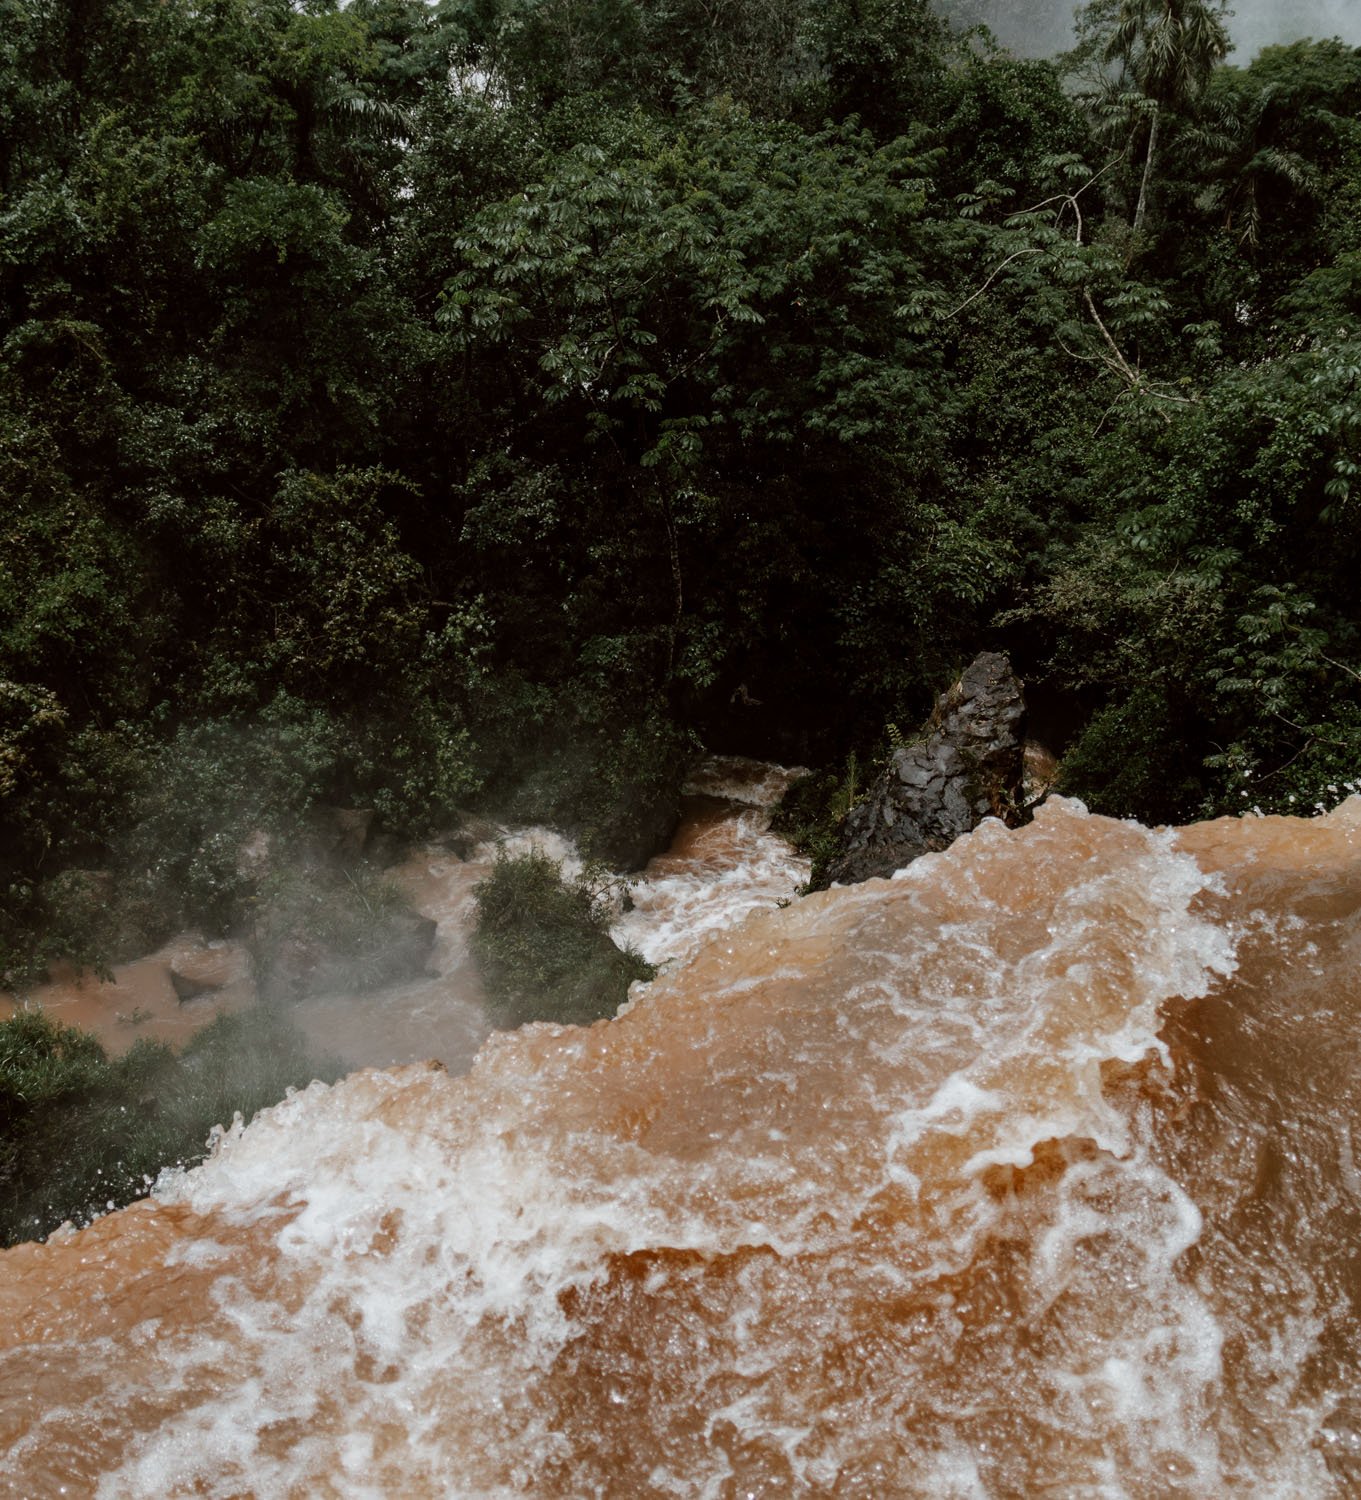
column 723, row 864
column 1028, row 1173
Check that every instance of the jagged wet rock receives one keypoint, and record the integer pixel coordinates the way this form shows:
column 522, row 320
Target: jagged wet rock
column 645, row 831
column 205, row 970
column 471, row 830
column 966, row 765
column 255, row 857
column 339, row 835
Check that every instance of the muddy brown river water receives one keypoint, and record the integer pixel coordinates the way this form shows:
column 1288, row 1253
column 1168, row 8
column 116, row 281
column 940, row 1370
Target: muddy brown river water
column 723, row 862
column 1031, row 1172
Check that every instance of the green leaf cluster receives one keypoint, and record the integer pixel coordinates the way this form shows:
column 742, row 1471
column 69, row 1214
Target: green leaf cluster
column 414, row 407
column 81, row 1133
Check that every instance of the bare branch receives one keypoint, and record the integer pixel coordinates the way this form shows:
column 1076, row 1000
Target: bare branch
column 1120, row 362
column 1033, row 251
column 1341, row 667
column 1115, row 361
column 1070, row 200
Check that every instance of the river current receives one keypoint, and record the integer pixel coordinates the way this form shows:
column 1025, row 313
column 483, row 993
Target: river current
column 1030, row 1172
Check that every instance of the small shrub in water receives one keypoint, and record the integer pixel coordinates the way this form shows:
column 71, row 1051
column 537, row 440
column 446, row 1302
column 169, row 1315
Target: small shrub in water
column 543, row 944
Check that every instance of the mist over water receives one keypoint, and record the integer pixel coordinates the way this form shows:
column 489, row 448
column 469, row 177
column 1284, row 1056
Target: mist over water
column 1040, row 28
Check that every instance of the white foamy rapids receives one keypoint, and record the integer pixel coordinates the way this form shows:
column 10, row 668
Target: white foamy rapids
column 873, row 1197
column 516, row 841
column 733, row 867
column 1116, row 945
column 723, row 863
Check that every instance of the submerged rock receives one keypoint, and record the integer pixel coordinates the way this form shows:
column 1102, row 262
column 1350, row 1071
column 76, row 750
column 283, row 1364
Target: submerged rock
column 206, row 970
column 967, row 766
column 313, row 949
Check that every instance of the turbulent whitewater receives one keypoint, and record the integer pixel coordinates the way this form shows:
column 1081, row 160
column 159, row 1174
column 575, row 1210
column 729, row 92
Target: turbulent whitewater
column 1033, row 1171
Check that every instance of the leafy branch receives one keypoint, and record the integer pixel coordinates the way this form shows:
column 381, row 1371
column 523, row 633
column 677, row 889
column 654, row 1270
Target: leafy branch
column 1057, row 223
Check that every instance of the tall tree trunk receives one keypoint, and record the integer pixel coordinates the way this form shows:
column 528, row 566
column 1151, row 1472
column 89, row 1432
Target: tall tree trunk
column 1142, row 207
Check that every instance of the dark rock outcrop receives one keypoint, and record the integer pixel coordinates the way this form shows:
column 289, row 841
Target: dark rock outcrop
column 298, row 956
column 645, row 829
column 337, row 836
column 966, row 765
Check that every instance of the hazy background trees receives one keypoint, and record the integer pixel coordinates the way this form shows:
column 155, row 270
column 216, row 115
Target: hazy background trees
column 1044, row 28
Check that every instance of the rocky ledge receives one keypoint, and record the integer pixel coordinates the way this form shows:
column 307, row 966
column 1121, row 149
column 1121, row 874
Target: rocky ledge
column 966, row 765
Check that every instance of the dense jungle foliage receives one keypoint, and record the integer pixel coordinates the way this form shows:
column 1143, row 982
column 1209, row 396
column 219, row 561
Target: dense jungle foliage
column 483, row 403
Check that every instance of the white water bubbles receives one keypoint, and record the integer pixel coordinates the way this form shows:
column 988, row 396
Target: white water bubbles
column 887, row 1193
column 724, row 863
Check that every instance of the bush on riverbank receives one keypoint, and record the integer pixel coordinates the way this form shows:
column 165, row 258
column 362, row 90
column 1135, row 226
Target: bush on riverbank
column 81, row 1133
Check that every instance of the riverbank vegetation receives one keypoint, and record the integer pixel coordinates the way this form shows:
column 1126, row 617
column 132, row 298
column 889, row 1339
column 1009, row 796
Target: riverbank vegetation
column 81, row 1132
column 480, row 405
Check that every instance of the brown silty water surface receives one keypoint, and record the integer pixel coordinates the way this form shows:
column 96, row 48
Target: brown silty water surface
column 1030, row 1172
column 140, row 999
column 438, row 1014
column 723, row 863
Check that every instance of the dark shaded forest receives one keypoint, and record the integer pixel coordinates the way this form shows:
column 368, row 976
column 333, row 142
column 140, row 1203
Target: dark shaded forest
column 484, row 405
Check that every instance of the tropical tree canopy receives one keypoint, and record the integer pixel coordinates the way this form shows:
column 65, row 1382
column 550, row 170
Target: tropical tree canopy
column 485, row 405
